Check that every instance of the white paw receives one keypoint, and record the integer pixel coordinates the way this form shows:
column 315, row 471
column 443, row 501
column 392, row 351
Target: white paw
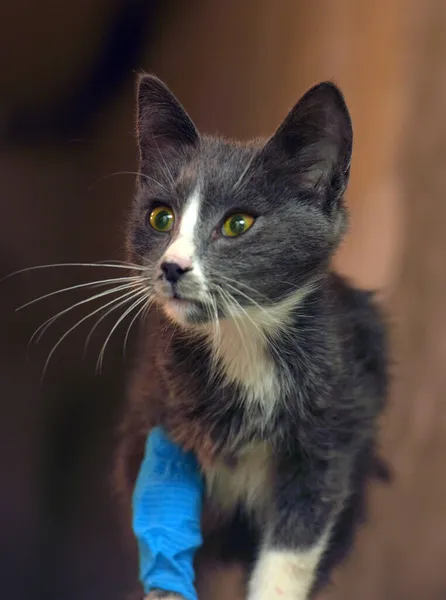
column 162, row 595
column 283, row 575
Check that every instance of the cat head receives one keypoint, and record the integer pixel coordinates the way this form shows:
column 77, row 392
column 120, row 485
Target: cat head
column 226, row 228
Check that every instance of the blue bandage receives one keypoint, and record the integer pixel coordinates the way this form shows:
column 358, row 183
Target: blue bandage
column 167, row 504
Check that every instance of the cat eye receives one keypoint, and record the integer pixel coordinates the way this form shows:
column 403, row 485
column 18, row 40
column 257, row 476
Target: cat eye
column 237, row 224
column 162, row 219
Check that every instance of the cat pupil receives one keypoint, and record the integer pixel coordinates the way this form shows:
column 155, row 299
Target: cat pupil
column 163, row 219
column 237, row 224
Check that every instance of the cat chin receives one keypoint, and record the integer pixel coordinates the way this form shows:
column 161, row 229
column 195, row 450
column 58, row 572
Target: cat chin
column 184, row 313
column 178, row 311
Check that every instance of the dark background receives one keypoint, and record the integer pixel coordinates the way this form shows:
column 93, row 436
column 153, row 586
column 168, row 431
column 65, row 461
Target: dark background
column 67, row 75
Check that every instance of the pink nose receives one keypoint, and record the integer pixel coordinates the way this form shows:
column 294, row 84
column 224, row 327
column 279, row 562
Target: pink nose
column 183, row 262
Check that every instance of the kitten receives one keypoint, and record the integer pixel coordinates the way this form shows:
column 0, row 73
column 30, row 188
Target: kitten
column 256, row 355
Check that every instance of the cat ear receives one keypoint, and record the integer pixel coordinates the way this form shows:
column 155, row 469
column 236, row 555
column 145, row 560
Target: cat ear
column 163, row 128
column 314, row 141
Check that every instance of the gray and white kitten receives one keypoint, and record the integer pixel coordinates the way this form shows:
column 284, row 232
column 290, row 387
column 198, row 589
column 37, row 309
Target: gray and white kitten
column 256, row 355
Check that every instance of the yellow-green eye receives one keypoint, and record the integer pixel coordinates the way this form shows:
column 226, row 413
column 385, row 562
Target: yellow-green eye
column 162, row 218
column 237, row 224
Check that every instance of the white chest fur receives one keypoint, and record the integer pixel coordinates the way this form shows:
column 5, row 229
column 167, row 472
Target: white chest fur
column 247, row 483
column 240, row 348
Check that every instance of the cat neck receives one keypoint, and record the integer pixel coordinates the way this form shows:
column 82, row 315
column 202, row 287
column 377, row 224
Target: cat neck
column 246, row 350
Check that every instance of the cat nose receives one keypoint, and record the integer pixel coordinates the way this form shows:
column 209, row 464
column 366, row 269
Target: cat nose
column 173, row 271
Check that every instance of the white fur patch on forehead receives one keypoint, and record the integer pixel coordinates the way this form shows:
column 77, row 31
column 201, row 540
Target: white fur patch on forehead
column 190, row 214
column 183, row 246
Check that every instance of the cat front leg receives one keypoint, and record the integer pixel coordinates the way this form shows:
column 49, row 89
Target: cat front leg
column 163, row 595
column 306, row 501
column 286, row 573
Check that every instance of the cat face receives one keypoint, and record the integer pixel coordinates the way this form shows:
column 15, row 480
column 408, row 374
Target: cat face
column 227, row 229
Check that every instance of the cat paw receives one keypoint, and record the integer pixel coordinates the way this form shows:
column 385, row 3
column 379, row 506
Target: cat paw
column 163, row 595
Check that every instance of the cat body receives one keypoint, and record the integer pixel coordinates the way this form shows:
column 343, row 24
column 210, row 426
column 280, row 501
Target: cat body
column 256, row 355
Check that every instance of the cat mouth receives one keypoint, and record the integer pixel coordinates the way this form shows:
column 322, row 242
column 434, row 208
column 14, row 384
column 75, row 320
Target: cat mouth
column 175, row 298
column 184, row 311
column 181, row 308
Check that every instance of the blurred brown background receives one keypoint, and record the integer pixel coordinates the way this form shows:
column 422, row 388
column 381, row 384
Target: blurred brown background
column 67, row 74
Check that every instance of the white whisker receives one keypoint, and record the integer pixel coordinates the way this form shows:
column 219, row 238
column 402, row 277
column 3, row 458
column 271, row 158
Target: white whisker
column 230, row 306
column 121, row 318
column 118, row 262
column 245, row 170
column 101, row 318
column 248, row 316
column 80, row 264
column 244, row 285
column 256, row 325
column 143, row 308
column 76, row 325
column 216, row 320
column 256, row 304
column 138, row 174
column 147, row 309
column 80, row 286
column 42, row 328
column 169, row 173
